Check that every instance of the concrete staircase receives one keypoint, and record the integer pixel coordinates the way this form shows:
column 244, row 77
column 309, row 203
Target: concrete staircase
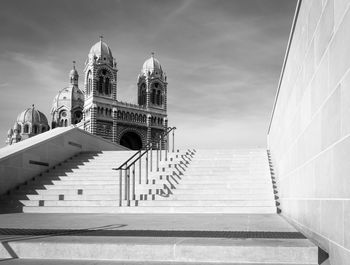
column 206, row 181
column 86, row 183
column 200, row 207
column 220, row 181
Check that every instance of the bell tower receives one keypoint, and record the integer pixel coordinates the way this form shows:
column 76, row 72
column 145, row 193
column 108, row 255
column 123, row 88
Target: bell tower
column 100, row 77
column 152, row 85
column 152, row 95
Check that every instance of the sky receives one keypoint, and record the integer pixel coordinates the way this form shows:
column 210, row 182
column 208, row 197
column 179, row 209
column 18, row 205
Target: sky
column 223, row 59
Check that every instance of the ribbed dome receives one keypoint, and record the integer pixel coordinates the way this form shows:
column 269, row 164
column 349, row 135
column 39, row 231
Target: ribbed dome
column 73, row 72
column 101, row 51
column 33, row 116
column 152, row 65
column 68, row 96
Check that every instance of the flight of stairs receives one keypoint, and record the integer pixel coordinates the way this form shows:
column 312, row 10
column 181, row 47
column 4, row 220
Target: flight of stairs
column 194, row 187
column 220, row 181
column 87, row 183
column 204, row 181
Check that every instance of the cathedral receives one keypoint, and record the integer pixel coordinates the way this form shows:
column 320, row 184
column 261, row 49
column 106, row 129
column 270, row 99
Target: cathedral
column 96, row 107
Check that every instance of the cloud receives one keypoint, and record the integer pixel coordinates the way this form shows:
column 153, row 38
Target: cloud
column 41, row 71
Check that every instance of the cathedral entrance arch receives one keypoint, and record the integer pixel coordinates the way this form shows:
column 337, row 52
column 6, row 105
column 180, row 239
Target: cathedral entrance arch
column 131, row 140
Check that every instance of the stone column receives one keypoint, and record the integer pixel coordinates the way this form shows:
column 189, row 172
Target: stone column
column 93, row 122
column 115, row 126
column 148, row 92
column 149, row 130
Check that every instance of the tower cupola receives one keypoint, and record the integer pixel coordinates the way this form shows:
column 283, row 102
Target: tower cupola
column 73, row 76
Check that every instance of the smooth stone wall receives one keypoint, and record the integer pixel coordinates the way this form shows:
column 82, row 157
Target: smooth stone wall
column 309, row 136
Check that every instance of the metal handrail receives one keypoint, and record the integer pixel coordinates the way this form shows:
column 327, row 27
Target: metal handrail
column 147, row 148
column 140, row 153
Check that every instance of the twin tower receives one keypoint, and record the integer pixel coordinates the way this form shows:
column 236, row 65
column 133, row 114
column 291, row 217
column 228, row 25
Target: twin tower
column 99, row 112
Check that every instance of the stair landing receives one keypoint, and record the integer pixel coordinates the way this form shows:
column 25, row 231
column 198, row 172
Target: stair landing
column 154, row 238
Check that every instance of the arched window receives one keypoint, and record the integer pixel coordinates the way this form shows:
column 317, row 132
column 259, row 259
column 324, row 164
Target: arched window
column 153, row 96
column 19, row 128
column 35, row 129
column 89, row 86
column 65, row 123
column 158, row 97
column 100, row 85
column 107, row 86
column 43, row 129
column 26, row 128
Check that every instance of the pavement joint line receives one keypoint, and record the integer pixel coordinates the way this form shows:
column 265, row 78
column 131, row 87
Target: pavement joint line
column 154, row 233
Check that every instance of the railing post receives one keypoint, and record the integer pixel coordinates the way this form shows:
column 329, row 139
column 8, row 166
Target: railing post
column 147, row 168
column 133, row 183
column 160, row 149
column 151, row 164
column 166, row 148
column 157, row 156
column 128, row 186
column 120, row 187
column 173, row 140
column 140, row 168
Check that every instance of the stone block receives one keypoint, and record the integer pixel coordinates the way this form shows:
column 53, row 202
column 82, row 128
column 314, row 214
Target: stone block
column 320, row 85
column 323, row 174
column 331, row 119
column 347, row 224
column 339, row 60
column 338, row 255
column 332, row 220
column 340, row 7
column 345, row 105
column 340, row 184
column 313, row 17
column 324, row 31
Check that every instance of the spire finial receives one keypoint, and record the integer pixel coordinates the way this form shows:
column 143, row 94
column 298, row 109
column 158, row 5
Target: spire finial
column 33, row 106
column 101, row 37
column 152, row 54
column 74, row 65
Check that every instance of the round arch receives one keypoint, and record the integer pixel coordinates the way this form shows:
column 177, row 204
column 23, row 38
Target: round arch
column 131, row 140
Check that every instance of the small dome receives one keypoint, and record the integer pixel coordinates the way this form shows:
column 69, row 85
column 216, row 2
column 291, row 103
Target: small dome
column 101, row 51
column 10, row 132
column 152, row 65
column 68, row 96
column 73, row 72
column 33, row 116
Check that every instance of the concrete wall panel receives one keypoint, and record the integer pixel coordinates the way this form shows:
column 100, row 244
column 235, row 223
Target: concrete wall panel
column 309, row 134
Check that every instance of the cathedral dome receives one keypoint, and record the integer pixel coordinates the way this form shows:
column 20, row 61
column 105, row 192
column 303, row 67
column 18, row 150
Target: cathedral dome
column 152, row 65
column 101, row 51
column 33, row 116
column 73, row 72
column 67, row 97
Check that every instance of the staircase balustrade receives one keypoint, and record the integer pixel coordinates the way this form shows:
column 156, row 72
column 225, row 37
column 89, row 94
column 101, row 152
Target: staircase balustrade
column 127, row 171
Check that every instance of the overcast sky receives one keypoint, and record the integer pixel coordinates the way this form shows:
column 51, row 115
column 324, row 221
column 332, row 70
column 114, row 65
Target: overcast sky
column 223, row 58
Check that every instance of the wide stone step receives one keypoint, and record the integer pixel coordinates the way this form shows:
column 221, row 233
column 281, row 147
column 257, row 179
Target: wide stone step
column 104, row 262
column 180, row 191
column 218, row 196
column 233, row 203
column 169, row 249
column 71, row 203
column 70, row 197
column 151, row 209
column 61, row 190
column 70, row 187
